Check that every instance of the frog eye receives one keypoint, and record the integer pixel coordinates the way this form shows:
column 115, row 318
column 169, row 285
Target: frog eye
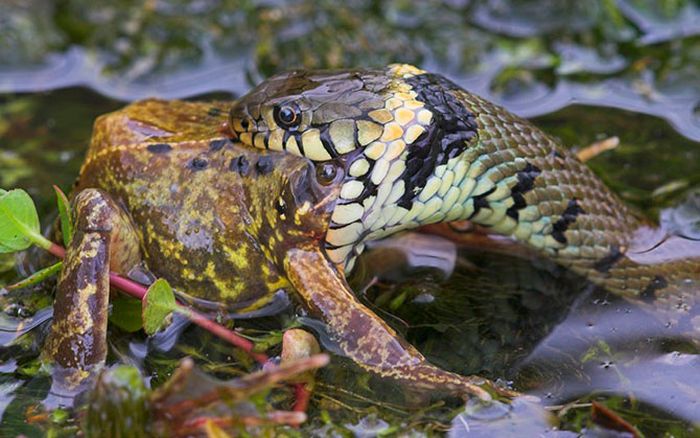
column 287, row 116
column 328, row 172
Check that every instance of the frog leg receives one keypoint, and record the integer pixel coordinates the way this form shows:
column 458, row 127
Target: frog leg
column 366, row 338
column 104, row 240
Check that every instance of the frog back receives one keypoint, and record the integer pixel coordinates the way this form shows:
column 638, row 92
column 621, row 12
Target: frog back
column 175, row 175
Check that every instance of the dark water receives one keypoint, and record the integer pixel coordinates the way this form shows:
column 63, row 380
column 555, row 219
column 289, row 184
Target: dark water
column 585, row 71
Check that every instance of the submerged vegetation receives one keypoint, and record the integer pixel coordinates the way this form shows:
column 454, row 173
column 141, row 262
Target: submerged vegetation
column 595, row 361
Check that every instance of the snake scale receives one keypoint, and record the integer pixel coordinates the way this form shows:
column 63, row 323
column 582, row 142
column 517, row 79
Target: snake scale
column 413, row 148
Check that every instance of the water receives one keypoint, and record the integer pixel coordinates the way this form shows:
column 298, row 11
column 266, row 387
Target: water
column 627, row 68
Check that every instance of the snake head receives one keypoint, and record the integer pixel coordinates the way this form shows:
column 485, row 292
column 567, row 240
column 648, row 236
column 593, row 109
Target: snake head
column 308, row 113
column 388, row 130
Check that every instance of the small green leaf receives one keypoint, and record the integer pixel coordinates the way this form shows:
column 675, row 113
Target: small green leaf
column 30, row 369
column 19, row 221
column 126, row 313
column 64, row 215
column 398, row 301
column 158, row 303
column 274, row 338
column 37, row 277
column 59, row 416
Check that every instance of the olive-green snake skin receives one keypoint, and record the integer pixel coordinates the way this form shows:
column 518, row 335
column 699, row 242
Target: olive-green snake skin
column 412, row 148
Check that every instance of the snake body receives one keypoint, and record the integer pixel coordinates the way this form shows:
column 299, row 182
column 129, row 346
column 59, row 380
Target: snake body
column 417, row 149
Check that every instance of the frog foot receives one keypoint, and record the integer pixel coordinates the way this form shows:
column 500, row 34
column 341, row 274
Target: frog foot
column 367, row 339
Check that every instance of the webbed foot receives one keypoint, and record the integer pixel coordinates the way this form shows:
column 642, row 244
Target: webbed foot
column 366, row 338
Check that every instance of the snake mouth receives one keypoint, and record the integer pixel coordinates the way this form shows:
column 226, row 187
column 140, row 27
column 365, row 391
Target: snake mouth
column 241, row 125
column 229, row 132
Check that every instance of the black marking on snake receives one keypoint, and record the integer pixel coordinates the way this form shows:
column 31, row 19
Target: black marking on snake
column 325, row 135
column 217, row 145
column 199, row 163
column 481, row 202
column 451, row 132
column 285, row 137
column 606, row 263
column 240, row 165
column 369, row 188
column 648, row 295
column 264, row 165
column 300, row 145
column 159, row 148
column 526, row 181
column 567, row 218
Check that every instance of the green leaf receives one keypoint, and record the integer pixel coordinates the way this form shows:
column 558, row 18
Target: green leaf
column 30, row 369
column 37, row 277
column 64, row 215
column 157, row 305
column 19, row 221
column 126, row 313
column 398, row 301
column 274, row 338
column 59, row 416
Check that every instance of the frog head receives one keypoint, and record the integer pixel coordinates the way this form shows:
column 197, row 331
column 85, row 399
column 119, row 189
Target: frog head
column 291, row 202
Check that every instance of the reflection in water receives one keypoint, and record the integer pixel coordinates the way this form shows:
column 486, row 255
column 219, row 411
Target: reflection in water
column 608, row 347
column 523, row 418
column 12, row 328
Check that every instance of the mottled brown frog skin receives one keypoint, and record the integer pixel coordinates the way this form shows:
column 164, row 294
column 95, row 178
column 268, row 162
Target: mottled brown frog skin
column 224, row 224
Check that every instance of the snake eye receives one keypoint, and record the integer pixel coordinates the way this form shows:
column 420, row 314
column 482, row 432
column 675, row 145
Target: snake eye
column 287, row 116
column 327, row 173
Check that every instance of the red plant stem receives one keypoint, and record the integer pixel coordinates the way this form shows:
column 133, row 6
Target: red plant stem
column 56, row 250
column 226, row 334
column 302, row 395
column 275, row 417
column 137, row 290
column 127, row 286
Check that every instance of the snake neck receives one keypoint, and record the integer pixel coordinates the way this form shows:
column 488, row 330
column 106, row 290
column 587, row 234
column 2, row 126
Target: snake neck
column 517, row 181
column 476, row 161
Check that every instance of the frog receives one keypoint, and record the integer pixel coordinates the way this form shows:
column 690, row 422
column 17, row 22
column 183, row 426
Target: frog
column 164, row 192
column 282, row 189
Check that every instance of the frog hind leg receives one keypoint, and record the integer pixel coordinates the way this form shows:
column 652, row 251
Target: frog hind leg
column 104, row 240
column 367, row 339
